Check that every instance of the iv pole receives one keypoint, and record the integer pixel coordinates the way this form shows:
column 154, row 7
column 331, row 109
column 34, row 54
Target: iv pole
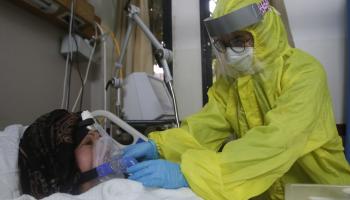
column 163, row 56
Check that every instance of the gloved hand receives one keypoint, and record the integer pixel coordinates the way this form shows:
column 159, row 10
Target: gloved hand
column 158, row 173
column 142, row 151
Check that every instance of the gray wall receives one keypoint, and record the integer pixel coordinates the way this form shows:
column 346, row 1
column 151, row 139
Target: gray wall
column 31, row 68
column 106, row 11
column 318, row 27
column 187, row 56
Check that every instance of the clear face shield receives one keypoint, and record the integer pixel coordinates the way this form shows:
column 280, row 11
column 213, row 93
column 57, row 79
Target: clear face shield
column 233, row 47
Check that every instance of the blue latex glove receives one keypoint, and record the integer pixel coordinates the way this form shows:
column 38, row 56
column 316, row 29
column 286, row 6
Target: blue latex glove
column 158, row 173
column 142, row 151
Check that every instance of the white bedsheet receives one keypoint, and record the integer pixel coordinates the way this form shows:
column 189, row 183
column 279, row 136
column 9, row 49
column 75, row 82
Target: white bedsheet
column 125, row 190
column 111, row 190
column 9, row 177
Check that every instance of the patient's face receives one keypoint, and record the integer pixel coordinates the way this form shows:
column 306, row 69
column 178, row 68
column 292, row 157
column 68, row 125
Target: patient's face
column 84, row 152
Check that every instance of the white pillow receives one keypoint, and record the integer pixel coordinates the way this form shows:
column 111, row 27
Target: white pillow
column 9, row 173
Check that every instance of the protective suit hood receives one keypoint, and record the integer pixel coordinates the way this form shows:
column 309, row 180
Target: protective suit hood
column 270, row 37
column 281, row 118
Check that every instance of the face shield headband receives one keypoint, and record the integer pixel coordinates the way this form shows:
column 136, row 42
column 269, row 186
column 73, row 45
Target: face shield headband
column 237, row 20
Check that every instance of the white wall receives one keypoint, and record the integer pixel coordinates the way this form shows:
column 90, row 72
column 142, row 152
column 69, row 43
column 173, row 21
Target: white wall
column 187, row 56
column 318, row 27
column 105, row 10
column 31, row 67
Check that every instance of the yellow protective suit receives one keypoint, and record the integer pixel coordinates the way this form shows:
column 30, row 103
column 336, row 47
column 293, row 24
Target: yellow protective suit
column 282, row 118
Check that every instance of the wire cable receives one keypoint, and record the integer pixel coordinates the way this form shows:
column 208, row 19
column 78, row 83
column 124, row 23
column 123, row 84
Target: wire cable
column 87, row 70
column 66, row 83
column 76, row 57
column 69, row 82
column 71, row 29
column 79, row 73
column 116, row 71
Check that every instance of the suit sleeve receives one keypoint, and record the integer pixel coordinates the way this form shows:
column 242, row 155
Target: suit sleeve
column 204, row 130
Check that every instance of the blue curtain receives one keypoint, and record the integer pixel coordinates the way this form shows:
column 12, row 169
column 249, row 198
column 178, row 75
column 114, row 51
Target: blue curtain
column 347, row 134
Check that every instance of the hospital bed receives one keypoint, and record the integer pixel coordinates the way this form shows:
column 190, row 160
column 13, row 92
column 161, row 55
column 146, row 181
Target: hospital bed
column 113, row 189
column 126, row 189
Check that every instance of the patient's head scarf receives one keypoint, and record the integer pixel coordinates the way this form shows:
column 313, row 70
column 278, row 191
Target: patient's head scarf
column 46, row 157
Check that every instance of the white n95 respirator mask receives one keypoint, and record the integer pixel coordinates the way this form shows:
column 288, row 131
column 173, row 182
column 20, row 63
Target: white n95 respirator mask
column 242, row 62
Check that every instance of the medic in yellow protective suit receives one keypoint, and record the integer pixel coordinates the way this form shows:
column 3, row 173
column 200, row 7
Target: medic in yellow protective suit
column 280, row 114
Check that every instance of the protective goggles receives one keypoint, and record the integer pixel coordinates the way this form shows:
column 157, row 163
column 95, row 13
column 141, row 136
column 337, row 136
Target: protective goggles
column 237, row 43
column 237, row 20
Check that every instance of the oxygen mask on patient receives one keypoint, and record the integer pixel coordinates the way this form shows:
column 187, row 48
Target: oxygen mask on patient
column 104, row 161
column 108, row 159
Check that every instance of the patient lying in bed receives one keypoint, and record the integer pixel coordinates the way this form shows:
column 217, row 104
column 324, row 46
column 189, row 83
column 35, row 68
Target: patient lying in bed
column 51, row 160
column 53, row 152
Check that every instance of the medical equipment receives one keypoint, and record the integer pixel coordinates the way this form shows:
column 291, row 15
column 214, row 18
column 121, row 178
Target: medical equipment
column 107, row 152
column 163, row 56
column 146, row 98
column 78, row 45
column 113, row 166
column 116, row 166
column 136, row 135
column 142, row 151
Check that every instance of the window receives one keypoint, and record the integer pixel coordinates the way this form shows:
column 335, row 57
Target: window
column 161, row 27
column 206, row 9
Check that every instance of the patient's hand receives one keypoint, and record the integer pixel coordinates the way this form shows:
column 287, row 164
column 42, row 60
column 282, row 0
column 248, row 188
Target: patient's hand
column 84, row 152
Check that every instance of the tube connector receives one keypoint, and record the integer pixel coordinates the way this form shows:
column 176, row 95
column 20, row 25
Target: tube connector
column 115, row 82
column 133, row 10
column 164, row 53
